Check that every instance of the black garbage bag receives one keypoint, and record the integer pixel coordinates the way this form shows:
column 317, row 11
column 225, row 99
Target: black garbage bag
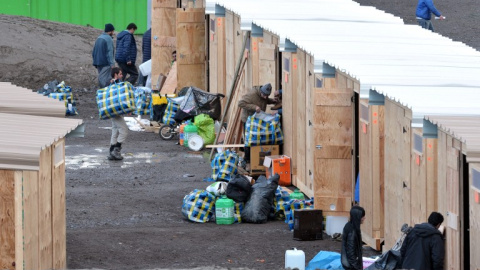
column 389, row 260
column 239, row 188
column 257, row 209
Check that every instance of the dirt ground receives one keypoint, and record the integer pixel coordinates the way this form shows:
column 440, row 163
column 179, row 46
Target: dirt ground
column 127, row 215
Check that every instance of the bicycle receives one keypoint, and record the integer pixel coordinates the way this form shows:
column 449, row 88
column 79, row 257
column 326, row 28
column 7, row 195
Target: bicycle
column 167, row 132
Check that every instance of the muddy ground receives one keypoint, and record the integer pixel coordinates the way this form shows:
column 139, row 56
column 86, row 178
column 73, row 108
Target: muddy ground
column 127, row 215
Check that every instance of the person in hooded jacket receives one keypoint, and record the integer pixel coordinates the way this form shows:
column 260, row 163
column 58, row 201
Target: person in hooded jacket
column 102, row 55
column 256, row 100
column 423, row 248
column 126, row 54
column 351, row 256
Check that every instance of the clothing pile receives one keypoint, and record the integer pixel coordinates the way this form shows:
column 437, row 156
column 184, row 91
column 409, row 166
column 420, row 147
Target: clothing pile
column 61, row 92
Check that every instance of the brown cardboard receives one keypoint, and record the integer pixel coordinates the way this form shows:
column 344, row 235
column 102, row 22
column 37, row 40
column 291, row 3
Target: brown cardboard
column 258, row 154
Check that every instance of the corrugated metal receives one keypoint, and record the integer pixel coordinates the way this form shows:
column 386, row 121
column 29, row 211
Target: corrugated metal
column 466, row 129
column 427, row 72
column 22, row 137
column 20, row 100
column 93, row 13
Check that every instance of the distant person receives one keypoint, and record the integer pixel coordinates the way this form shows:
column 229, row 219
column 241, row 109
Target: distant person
column 278, row 99
column 103, row 55
column 351, row 256
column 425, row 8
column 146, row 53
column 423, row 248
column 127, row 53
column 119, row 126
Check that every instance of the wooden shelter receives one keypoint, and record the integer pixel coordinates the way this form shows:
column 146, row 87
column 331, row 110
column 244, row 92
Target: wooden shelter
column 32, row 179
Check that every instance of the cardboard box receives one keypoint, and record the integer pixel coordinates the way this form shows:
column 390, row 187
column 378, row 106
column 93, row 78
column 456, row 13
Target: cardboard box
column 281, row 165
column 258, row 154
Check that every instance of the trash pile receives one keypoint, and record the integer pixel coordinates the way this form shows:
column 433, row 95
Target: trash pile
column 236, row 198
column 62, row 92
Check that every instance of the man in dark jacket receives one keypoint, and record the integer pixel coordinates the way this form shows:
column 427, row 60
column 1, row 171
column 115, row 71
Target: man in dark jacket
column 146, row 52
column 103, row 55
column 127, row 53
column 423, row 248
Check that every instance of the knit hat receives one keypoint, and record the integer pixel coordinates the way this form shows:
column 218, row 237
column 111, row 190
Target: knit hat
column 109, row 27
column 266, row 89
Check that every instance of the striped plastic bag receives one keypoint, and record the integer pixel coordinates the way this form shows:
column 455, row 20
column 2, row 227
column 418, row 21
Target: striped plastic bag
column 263, row 129
column 170, row 112
column 224, row 165
column 115, row 99
column 143, row 100
column 198, row 206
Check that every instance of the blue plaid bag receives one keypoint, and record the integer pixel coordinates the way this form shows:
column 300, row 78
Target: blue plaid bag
column 198, row 206
column 281, row 197
column 237, row 212
column 291, row 206
column 170, row 112
column 143, row 100
column 115, row 99
column 64, row 93
column 224, row 165
column 263, row 129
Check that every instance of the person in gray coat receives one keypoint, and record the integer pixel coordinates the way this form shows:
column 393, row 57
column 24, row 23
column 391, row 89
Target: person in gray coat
column 102, row 55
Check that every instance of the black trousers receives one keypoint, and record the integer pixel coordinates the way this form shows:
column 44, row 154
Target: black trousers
column 131, row 70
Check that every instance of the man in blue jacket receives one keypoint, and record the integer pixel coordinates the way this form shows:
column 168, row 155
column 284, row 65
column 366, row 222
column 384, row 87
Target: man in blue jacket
column 425, row 8
column 126, row 54
column 103, row 55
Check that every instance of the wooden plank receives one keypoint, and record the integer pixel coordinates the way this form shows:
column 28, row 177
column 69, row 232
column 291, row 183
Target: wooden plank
column 171, row 83
column 287, row 106
column 224, row 145
column 213, row 55
column 378, row 169
column 474, row 221
column 191, row 48
column 333, row 178
column 255, row 60
column 432, row 175
column 299, row 75
column 295, row 92
column 221, row 55
column 30, row 206
column 230, row 56
column 309, row 141
column 45, row 209
column 19, row 233
column 7, row 219
column 333, row 126
column 59, row 225
column 267, row 66
column 374, row 243
column 442, row 171
column 453, row 192
column 333, row 204
column 164, row 4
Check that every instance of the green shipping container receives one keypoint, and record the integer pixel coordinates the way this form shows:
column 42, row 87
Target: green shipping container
column 94, row 13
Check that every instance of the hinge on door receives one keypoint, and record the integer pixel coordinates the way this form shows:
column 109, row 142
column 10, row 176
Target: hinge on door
column 309, row 123
column 352, row 99
column 351, row 152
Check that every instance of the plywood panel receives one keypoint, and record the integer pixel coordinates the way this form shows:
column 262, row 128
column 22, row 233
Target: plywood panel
column 378, row 169
column 431, row 151
column 333, row 127
column 230, row 58
column 7, row 219
column 221, row 71
column 418, row 184
column 309, row 142
column 45, row 209
column 453, row 192
column 397, row 171
column 287, row 105
column 442, row 171
column 333, row 178
column 255, row 59
column 163, row 36
column 213, row 55
column 59, row 225
column 474, row 222
column 299, row 75
column 30, row 206
column 19, row 234
column 365, row 171
column 267, row 65
column 191, row 48
column 334, row 98
column 293, row 78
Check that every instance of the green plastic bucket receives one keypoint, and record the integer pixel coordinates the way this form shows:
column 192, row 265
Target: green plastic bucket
column 224, row 208
column 297, row 195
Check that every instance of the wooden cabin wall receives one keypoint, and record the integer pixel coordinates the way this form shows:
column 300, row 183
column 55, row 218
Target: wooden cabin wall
column 191, row 50
column 32, row 214
column 163, row 36
column 213, row 55
column 371, row 162
column 474, row 220
column 397, row 171
column 449, row 197
column 334, row 128
column 289, row 99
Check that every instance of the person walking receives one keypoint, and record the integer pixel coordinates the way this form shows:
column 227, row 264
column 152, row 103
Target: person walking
column 146, row 53
column 119, row 126
column 423, row 248
column 126, row 54
column 425, row 8
column 102, row 55
column 351, row 256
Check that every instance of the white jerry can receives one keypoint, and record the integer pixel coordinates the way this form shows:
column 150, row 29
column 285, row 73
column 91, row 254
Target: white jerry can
column 295, row 259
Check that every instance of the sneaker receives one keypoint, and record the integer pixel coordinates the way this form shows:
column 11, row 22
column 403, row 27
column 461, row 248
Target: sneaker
column 116, row 153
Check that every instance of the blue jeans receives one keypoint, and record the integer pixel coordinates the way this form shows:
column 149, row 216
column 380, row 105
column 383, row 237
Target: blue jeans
column 427, row 24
